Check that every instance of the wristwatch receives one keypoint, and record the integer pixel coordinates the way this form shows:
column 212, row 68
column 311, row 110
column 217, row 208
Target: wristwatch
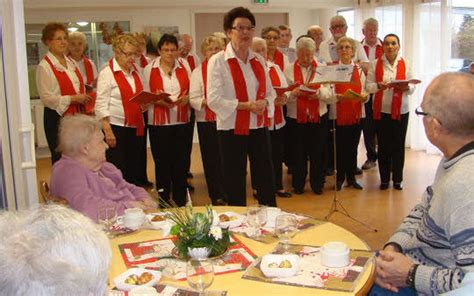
column 411, row 276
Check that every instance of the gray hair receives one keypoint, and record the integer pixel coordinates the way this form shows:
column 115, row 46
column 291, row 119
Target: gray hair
column 258, row 40
column 351, row 41
column 284, row 28
column 78, row 35
column 305, row 43
column 52, row 250
column 313, row 28
column 372, row 21
column 76, row 131
column 450, row 99
column 338, row 18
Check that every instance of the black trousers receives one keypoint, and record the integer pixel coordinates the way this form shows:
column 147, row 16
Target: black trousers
column 143, row 178
column 278, row 140
column 127, row 155
column 189, row 139
column 289, row 141
column 211, row 159
column 347, row 140
column 234, row 152
column 309, row 144
column 391, row 135
column 169, row 150
column 368, row 127
column 51, row 120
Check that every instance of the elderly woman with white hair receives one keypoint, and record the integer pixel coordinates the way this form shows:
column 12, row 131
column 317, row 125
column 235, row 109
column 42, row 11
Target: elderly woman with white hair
column 308, row 116
column 52, row 251
column 84, row 178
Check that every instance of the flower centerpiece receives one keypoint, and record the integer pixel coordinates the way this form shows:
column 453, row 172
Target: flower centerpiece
column 197, row 235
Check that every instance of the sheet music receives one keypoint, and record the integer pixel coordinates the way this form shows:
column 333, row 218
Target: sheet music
column 333, row 74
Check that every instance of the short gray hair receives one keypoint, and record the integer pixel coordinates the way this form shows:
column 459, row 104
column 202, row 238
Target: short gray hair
column 52, row 250
column 371, row 20
column 305, row 43
column 258, row 40
column 78, row 35
column 313, row 28
column 75, row 131
column 338, row 18
column 450, row 99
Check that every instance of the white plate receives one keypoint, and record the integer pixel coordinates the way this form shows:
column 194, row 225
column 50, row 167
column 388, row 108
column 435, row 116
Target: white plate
column 157, row 224
column 119, row 281
column 277, row 272
column 233, row 223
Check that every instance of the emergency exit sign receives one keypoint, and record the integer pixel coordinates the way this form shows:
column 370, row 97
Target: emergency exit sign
column 260, row 1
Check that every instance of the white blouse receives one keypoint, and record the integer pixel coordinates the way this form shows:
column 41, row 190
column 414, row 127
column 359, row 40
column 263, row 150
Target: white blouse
column 48, row 86
column 389, row 74
column 196, row 94
column 324, row 92
column 82, row 69
column 283, row 83
column 221, row 96
column 170, row 86
column 109, row 100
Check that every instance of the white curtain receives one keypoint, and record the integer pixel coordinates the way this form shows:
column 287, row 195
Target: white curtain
column 424, row 27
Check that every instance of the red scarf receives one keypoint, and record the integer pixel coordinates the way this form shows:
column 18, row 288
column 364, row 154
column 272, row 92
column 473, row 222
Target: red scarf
column 210, row 115
column 348, row 111
column 306, row 110
column 90, row 79
column 397, row 95
column 242, row 120
column 143, row 61
column 162, row 114
column 67, row 88
column 191, row 62
column 378, row 50
column 275, row 79
column 278, row 59
column 131, row 110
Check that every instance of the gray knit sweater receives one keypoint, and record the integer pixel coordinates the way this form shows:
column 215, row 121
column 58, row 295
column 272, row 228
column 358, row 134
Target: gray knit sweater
column 439, row 232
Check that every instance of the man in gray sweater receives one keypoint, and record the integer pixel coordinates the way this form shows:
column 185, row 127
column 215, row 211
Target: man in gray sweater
column 433, row 248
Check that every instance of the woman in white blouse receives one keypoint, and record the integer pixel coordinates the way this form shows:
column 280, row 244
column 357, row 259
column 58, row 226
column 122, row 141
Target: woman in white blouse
column 77, row 44
column 206, row 122
column 59, row 83
column 349, row 113
column 168, row 121
column 390, row 107
column 123, row 122
column 239, row 92
column 277, row 122
column 308, row 112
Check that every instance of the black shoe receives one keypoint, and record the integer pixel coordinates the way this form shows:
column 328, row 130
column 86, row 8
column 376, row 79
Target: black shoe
column 318, row 191
column 189, row 175
column 398, row 186
column 329, row 172
column 355, row 185
column 339, row 185
column 368, row 164
column 358, row 171
column 190, row 187
column 284, row 194
column 298, row 191
column 219, row 202
column 383, row 186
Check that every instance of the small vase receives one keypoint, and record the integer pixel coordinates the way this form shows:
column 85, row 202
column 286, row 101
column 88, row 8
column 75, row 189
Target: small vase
column 199, row 253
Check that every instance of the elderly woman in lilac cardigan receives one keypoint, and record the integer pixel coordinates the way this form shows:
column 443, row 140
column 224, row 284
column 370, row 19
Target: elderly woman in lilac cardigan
column 84, row 178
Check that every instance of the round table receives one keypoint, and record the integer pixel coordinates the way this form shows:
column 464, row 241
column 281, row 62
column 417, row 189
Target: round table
column 234, row 283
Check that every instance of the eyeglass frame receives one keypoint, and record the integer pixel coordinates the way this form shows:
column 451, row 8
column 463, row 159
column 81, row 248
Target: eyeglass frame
column 128, row 54
column 419, row 112
column 242, row 28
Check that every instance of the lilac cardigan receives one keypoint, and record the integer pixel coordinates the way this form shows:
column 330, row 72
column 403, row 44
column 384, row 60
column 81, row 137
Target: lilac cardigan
column 86, row 190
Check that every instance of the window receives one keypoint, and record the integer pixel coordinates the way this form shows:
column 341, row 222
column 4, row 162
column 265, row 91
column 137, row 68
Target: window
column 462, row 42
column 390, row 20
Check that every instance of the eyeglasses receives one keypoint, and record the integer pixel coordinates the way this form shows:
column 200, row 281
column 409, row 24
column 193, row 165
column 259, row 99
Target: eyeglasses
column 344, row 47
column 419, row 112
column 240, row 28
column 272, row 38
column 338, row 27
column 128, row 54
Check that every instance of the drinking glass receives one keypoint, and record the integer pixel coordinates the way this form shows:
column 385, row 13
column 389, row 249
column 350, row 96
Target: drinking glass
column 200, row 274
column 286, row 227
column 106, row 216
column 257, row 217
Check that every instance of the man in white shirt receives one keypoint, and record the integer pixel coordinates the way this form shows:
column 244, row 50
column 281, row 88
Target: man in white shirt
column 373, row 48
column 284, row 43
column 317, row 34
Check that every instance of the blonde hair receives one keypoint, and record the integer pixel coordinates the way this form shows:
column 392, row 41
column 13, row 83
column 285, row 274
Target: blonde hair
column 257, row 40
column 120, row 41
column 76, row 131
column 305, row 43
column 210, row 39
column 78, row 35
column 351, row 41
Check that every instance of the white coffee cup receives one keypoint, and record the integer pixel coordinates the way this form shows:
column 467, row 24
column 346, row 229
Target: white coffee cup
column 335, row 254
column 133, row 218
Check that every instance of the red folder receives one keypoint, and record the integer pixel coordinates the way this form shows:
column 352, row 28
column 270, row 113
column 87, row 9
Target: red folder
column 145, row 99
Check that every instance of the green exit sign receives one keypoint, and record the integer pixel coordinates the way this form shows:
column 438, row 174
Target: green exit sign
column 260, row 1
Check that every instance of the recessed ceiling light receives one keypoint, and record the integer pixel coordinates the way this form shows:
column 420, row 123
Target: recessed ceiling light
column 82, row 24
column 72, row 29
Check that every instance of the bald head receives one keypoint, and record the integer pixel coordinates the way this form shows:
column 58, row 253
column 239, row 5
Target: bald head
column 450, row 99
column 316, row 32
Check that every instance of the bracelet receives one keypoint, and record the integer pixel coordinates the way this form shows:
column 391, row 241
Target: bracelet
column 411, row 276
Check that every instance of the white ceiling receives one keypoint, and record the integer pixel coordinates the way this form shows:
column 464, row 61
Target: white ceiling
column 310, row 4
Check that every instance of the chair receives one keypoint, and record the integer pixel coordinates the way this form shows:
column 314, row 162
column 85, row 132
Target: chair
column 48, row 198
